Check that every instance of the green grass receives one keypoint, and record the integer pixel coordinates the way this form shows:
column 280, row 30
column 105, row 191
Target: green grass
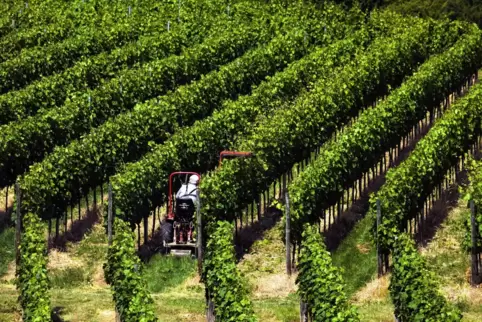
column 173, row 308
column 84, row 304
column 93, row 247
column 7, row 249
column 163, row 272
column 357, row 256
column 376, row 311
column 278, row 309
column 69, row 277
column 451, row 264
column 445, row 256
column 8, row 303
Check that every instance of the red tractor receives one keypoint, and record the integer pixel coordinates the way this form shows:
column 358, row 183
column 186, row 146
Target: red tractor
column 178, row 228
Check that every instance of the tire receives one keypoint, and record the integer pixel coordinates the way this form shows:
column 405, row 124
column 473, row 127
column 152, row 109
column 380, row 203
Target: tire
column 167, row 234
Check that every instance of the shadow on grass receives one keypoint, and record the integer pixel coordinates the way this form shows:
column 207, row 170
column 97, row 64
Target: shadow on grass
column 69, row 277
column 248, row 235
column 5, row 219
column 77, row 230
column 7, row 249
column 56, row 313
column 437, row 215
column 153, row 246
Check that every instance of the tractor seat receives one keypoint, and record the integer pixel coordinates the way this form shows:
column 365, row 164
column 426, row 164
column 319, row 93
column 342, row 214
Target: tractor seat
column 184, row 210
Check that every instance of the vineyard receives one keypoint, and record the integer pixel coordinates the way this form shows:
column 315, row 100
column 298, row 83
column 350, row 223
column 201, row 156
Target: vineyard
column 357, row 196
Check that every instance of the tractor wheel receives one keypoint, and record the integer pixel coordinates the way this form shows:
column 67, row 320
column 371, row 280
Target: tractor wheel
column 167, row 234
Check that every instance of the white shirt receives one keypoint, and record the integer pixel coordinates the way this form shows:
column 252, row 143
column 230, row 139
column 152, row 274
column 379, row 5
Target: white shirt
column 188, row 191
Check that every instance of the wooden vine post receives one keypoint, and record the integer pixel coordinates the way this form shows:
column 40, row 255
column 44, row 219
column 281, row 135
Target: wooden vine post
column 146, row 228
column 303, row 312
column 199, row 238
column 18, row 225
column 110, row 223
column 110, row 215
column 200, row 255
column 210, row 309
column 475, row 274
column 6, row 200
column 288, row 235
column 379, row 255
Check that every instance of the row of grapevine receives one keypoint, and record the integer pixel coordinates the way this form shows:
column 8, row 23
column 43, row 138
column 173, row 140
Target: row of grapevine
column 127, row 136
column 408, row 186
column 119, row 291
column 223, row 191
column 14, row 42
column 141, row 186
column 123, row 285
column 225, row 285
column 410, row 276
column 90, row 72
column 236, row 306
column 36, row 14
column 414, row 288
column 473, row 191
column 25, row 142
column 33, row 63
column 291, row 133
column 122, row 272
column 405, row 194
column 346, row 158
column 472, row 241
column 380, row 129
column 23, row 15
column 320, row 282
column 52, row 91
column 32, row 280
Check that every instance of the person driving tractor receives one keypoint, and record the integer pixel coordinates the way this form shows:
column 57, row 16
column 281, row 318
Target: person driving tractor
column 189, row 190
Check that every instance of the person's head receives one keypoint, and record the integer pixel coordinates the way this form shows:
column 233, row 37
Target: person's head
column 194, row 179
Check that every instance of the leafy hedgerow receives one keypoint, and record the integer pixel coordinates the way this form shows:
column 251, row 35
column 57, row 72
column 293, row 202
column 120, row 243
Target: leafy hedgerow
column 344, row 159
column 74, row 19
column 408, row 185
column 141, row 185
column 320, row 282
column 226, row 286
column 128, row 136
column 22, row 15
column 123, row 272
column 196, row 20
column 33, row 63
column 290, row 133
column 27, row 141
column 32, row 280
column 225, row 190
column 473, row 191
column 414, row 289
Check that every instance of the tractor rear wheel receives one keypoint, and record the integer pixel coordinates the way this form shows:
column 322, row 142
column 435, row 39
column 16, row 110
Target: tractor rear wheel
column 167, row 234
